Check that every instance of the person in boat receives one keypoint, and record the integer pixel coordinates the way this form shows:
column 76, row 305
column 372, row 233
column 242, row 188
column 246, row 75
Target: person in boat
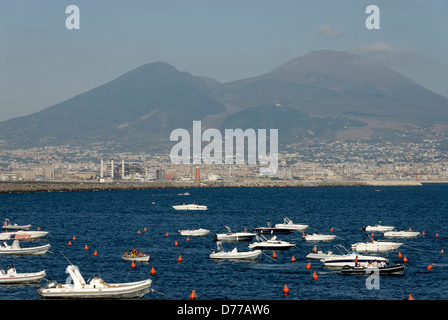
column 133, row 252
column 356, row 262
column 126, row 253
column 383, row 264
column 140, row 254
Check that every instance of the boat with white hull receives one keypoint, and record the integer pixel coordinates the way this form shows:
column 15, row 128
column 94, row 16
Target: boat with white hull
column 193, row 232
column 350, row 259
column 376, row 246
column 12, row 277
column 234, row 254
column 94, row 289
column 234, row 236
column 22, row 235
column 7, row 225
column 401, row 234
column 271, row 244
column 289, row 224
column 190, row 207
column 378, row 228
column 16, row 249
column 319, row 237
column 361, row 270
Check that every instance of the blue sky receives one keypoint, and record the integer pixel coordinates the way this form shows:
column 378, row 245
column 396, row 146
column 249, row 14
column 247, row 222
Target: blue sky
column 43, row 63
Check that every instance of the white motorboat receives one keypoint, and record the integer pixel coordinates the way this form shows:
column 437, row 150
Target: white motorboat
column 378, row 228
column 190, row 207
column 270, row 244
column 22, row 235
column 11, row 276
column 350, row 259
column 319, row 254
column 319, row 237
column 193, row 232
column 375, row 246
column 234, row 254
column 401, row 234
column 16, row 249
column 95, row 289
column 7, row 225
column 289, row 224
column 234, row 236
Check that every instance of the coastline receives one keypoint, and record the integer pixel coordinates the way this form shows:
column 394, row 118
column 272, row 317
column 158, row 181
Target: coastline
column 54, row 186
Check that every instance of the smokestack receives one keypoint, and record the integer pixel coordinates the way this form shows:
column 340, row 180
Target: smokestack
column 198, row 176
column 122, row 168
column 101, row 169
column 112, row 169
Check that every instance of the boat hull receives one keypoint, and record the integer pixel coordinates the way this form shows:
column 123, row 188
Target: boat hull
column 137, row 259
column 194, row 232
column 340, row 261
column 22, row 277
column 26, row 251
column 113, row 291
column 378, row 228
column 401, row 234
column 239, row 236
column 251, row 255
column 294, row 227
column 392, row 270
column 22, row 235
column 375, row 246
column 267, row 230
column 319, row 237
column 189, row 207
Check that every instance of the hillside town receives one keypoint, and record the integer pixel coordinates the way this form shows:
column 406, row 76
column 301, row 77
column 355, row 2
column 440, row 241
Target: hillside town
column 356, row 160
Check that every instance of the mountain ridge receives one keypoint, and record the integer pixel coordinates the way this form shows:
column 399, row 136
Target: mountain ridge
column 138, row 110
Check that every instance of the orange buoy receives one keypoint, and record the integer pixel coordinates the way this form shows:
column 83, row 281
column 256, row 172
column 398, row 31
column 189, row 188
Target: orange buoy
column 86, row 248
column 274, row 255
column 138, row 232
column 331, row 229
column 193, row 295
column 437, row 234
column 69, row 243
column 166, row 234
column 293, row 259
column 405, row 259
column 308, row 266
column 441, row 251
column 145, row 229
column 179, row 259
column 74, row 238
column 429, row 267
column 410, row 229
column 285, row 290
column 38, row 228
column 175, row 243
column 153, row 271
column 315, row 276
column 188, row 239
column 410, row 297
column 95, row 253
column 399, row 255
column 133, row 265
column 423, row 233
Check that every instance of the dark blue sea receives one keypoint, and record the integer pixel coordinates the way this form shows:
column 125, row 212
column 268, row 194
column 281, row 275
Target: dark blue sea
column 111, row 222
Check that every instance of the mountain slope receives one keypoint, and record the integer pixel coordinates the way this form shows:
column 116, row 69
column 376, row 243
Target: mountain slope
column 141, row 104
column 338, row 83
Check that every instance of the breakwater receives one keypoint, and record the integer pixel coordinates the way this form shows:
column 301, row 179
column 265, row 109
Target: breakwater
column 20, row 187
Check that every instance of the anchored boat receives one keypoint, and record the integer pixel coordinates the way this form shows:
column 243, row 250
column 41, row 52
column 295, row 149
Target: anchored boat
column 376, row 246
column 270, row 244
column 190, row 207
column 289, row 224
column 234, row 236
column 234, row 254
column 319, row 237
column 11, row 276
column 361, row 270
column 23, row 235
column 193, row 232
column 94, row 289
column 7, row 225
column 16, row 249
column 401, row 234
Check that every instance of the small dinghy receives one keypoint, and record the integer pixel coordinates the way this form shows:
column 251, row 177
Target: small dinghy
column 378, row 228
column 362, row 270
column 193, row 232
column 376, row 246
column 234, row 236
column 401, row 234
column 136, row 257
column 190, row 207
column 289, row 224
column 270, row 244
column 16, row 249
column 7, row 225
column 96, row 288
column 22, row 235
column 11, row 276
column 234, row 254
column 319, row 237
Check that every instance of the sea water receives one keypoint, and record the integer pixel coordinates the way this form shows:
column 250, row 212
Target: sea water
column 110, row 222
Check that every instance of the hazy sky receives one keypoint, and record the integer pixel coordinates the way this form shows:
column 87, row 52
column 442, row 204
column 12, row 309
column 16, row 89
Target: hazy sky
column 43, row 63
